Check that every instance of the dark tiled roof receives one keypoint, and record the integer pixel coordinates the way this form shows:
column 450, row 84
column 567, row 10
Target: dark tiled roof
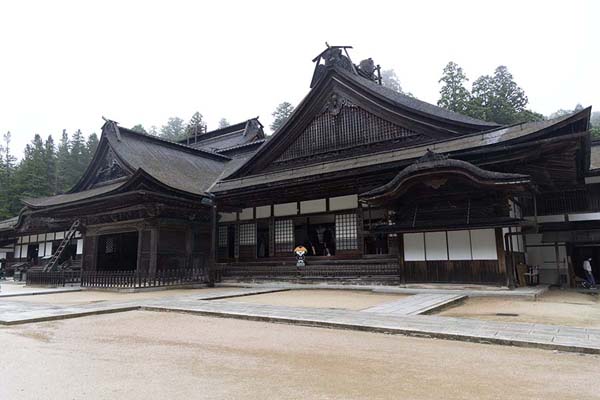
column 173, row 164
column 229, row 137
column 180, row 167
column 477, row 141
column 50, row 201
column 428, row 164
column 415, row 104
column 8, row 224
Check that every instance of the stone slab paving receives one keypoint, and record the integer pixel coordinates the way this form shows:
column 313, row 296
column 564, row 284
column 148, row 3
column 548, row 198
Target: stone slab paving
column 467, row 290
column 18, row 312
column 583, row 340
column 417, row 304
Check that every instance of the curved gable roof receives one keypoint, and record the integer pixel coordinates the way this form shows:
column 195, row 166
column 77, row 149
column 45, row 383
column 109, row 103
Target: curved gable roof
column 418, row 115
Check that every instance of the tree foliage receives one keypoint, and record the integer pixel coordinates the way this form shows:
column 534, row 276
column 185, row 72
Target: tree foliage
column 223, row 123
column 44, row 170
column 495, row 98
column 139, row 128
column 196, row 126
column 454, row 96
column 281, row 114
column 390, row 80
column 174, row 129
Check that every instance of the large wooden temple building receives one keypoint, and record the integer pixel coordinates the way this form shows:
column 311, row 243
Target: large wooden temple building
column 375, row 184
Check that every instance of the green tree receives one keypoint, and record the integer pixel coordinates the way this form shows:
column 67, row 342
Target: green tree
column 9, row 206
column 281, row 114
column 223, row 123
column 453, row 94
column 30, row 177
column 63, row 160
column 91, row 145
column 50, row 162
column 139, row 128
column 196, row 126
column 499, row 99
column 174, row 130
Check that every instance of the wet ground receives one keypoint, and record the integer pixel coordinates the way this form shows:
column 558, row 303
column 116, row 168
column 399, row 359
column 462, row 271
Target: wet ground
column 555, row 307
column 316, row 298
column 144, row 355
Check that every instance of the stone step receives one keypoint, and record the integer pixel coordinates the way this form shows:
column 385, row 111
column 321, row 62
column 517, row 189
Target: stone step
column 417, row 304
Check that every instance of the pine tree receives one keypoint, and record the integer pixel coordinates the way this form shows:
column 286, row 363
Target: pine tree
column 281, row 114
column 77, row 158
column 9, row 202
column 196, row 126
column 90, row 147
column 174, row 130
column 50, row 162
column 30, row 177
column 62, row 163
column 499, row 99
column 453, row 94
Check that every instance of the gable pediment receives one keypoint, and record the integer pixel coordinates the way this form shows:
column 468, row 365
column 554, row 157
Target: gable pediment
column 342, row 127
column 104, row 169
column 343, row 118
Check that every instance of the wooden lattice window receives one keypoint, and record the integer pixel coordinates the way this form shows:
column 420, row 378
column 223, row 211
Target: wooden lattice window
column 247, row 234
column 110, row 245
column 284, row 236
column 222, row 239
column 351, row 127
column 345, row 232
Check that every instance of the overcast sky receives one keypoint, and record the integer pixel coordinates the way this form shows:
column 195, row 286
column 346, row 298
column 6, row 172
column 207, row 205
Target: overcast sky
column 66, row 64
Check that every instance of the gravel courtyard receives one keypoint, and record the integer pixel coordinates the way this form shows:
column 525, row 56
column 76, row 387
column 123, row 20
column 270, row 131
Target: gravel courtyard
column 145, row 355
column 554, row 307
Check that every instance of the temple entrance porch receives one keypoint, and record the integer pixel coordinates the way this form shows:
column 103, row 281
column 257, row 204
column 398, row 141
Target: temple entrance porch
column 117, row 252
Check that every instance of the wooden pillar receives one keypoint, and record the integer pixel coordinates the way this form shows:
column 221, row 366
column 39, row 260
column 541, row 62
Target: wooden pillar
column 501, row 254
column 399, row 243
column 153, row 265
column 212, row 255
column 90, row 253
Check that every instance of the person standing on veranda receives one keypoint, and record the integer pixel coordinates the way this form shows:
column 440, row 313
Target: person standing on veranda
column 587, row 268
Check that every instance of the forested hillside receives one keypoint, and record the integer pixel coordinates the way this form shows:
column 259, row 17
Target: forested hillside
column 46, row 168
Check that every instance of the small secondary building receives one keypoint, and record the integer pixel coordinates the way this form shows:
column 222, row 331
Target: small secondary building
column 375, row 184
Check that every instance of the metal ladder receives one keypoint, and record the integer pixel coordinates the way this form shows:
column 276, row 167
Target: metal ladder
column 63, row 245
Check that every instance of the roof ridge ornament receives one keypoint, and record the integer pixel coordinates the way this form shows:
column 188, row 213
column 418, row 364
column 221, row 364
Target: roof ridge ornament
column 430, row 156
column 338, row 56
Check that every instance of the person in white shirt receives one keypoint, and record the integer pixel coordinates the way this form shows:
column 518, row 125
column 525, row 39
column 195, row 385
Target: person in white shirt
column 587, row 268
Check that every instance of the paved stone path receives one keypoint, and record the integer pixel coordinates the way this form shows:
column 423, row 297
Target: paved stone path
column 554, row 337
column 417, row 304
column 467, row 290
column 22, row 312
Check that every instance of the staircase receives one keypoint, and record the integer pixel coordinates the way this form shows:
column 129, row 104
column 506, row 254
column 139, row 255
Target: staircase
column 63, row 245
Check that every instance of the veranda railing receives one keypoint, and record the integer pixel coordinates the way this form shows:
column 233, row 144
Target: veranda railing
column 134, row 279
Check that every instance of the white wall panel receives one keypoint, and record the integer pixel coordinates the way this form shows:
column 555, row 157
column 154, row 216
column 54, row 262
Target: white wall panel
column 48, row 251
column 414, row 247
column 79, row 246
column 483, row 244
column 284, row 209
column 436, row 247
column 263, row 212
column 313, row 206
column 459, row 245
column 246, row 214
column 343, row 202
column 41, row 248
column 227, row 217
